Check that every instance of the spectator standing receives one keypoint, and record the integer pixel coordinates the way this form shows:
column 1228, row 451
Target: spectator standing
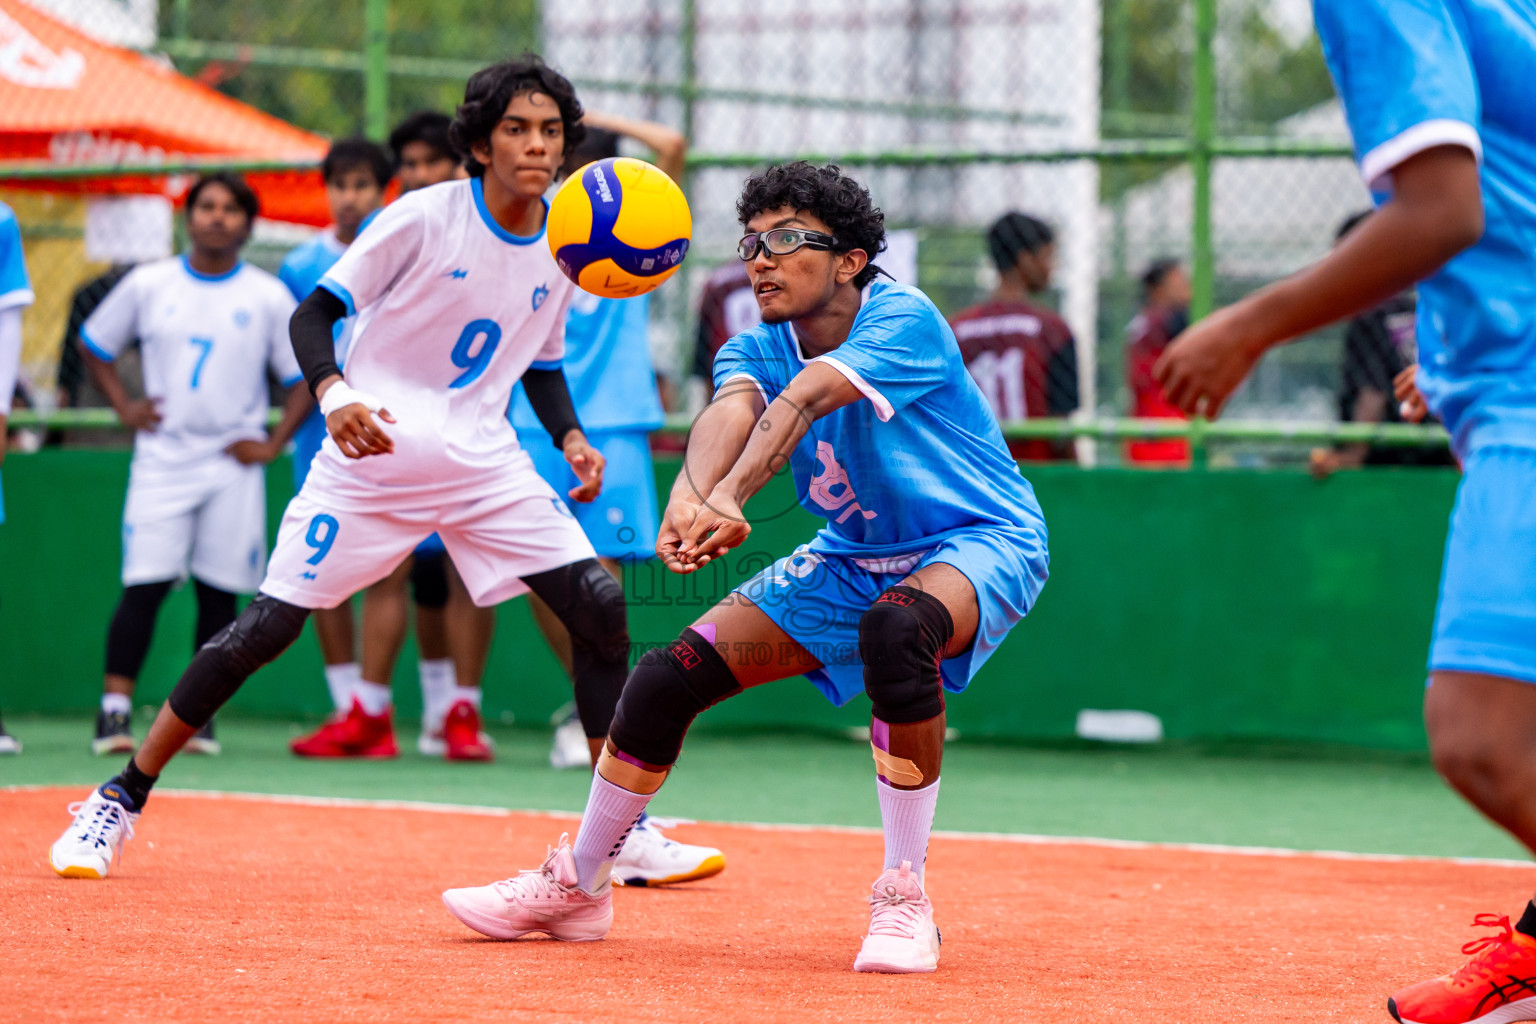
column 1165, row 298
column 1020, row 352
column 15, row 296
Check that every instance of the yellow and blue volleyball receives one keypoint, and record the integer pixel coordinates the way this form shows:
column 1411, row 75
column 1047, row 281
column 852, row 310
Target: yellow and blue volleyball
column 619, row 227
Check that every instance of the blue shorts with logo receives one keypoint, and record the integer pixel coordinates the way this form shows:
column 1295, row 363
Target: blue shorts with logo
column 306, row 445
column 623, row 521
column 818, row 598
column 1486, row 619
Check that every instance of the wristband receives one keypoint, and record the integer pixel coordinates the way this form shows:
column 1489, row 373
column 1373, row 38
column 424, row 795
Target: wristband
column 342, row 394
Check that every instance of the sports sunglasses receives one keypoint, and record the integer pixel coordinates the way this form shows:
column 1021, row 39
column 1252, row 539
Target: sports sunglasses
column 782, row 242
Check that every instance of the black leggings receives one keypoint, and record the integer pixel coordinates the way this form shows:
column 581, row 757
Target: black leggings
column 133, row 623
column 589, row 603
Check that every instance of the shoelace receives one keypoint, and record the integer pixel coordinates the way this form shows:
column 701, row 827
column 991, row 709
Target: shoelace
column 539, row 881
column 107, row 813
column 893, row 914
column 1489, row 953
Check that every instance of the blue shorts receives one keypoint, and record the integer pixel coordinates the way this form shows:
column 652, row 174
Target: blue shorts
column 818, row 599
column 306, row 445
column 1486, row 619
column 622, row 522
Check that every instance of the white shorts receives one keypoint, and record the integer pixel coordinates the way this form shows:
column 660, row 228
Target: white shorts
column 328, row 550
column 208, row 516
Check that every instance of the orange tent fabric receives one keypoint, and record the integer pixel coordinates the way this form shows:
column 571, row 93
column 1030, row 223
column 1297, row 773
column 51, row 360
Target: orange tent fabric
column 67, row 99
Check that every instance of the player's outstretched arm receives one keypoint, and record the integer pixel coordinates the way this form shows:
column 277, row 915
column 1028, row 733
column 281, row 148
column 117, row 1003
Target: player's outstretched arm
column 550, row 396
column 715, row 442
column 669, row 146
column 1435, row 212
column 720, row 523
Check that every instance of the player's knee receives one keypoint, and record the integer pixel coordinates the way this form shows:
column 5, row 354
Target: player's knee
column 665, row 693
column 595, row 618
column 263, row 631
column 902, row 638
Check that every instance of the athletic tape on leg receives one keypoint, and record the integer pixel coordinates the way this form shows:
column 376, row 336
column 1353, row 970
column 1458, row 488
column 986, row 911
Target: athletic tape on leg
column 898, row 771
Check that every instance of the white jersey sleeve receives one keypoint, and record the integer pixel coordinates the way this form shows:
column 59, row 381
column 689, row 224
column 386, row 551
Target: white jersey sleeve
column 379, row 256
column 281, row 361
column 114, row 323
column 551, row 354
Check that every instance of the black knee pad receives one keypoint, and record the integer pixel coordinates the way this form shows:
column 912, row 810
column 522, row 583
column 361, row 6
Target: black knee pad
column 263, row 631
column 665, row 693
column 589, row 603
column 429, row 580
column 901, row 642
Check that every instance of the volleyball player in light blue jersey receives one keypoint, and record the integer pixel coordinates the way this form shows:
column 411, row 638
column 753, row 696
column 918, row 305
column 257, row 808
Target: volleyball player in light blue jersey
column 15, row 296
column 1438, row 97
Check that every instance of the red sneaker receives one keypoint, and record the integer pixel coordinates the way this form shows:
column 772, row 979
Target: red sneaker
column 1496, row 986
column 356, row 734
column 461, row 732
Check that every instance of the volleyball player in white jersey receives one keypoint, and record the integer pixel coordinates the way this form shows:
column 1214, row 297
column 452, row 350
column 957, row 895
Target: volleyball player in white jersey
column 457, row 299
column 210, row 329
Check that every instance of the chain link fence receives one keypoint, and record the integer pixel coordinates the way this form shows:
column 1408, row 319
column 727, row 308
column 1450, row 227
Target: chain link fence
column 1176, row 154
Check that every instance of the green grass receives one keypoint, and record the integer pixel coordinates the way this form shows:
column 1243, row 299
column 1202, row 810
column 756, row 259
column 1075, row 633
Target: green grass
column 1253, row 795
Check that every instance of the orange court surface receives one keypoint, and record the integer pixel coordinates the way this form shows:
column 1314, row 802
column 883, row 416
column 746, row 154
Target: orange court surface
column 298, row 909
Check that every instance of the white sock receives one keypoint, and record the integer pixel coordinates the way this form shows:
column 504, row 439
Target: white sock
column 342, row 680
column 611, row 812
column 374, row 697
column 907, row 817
column 437, row 682
column 468, row 694
column 116, row 704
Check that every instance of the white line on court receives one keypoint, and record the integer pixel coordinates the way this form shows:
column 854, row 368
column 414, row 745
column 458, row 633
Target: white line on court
column 860, row 830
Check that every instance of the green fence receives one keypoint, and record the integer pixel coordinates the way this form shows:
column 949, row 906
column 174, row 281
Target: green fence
column 1228, row 604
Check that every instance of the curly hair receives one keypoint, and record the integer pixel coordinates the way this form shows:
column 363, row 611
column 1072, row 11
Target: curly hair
column 488, row 92
column 842, row 203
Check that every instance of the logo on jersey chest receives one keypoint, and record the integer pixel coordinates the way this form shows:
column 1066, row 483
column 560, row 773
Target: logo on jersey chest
column 242, row 319
column 457, row 273
column 539, row 295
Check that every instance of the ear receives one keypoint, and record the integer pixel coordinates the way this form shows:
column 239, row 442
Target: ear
column 481, row 150
column 849, row 264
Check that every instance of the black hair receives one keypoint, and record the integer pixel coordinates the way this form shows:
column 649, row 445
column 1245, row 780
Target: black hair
column 429, row 126
column 350, row 154
column 1351, row 222
column 1157, row 272
column 245, row 197
column 1014, row 233
column 488, row 92
column 842, row 203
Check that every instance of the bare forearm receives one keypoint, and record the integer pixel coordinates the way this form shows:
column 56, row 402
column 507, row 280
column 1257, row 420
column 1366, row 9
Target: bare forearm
column 669, row 146
column 714, row 446
column 295, row 409
column 767, row 450
column 105, row 377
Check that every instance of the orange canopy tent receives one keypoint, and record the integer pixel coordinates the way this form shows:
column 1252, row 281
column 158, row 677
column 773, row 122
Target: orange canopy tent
column 66, row 99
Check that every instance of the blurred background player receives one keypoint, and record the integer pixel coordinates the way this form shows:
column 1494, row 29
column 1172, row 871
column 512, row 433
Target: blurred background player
column 1437, row 94
column 1164, row 313
column 1020, row 352
column 609, row 370
column 210, row 328
column 1378, row 346
column 882, row 600
column 15, row 296
column 608, row 367
column 362, row 723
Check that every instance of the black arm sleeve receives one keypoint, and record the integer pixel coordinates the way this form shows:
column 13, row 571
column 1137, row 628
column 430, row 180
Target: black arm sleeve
column 312, row 331
column 551, row 400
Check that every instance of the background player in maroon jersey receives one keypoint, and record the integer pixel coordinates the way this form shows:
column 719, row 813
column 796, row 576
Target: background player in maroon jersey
column 1019, row 351
column 1165, row 295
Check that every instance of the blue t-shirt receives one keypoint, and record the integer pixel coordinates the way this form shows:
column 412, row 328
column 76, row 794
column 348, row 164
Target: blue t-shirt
column 302, row 270
column 607, row 367
column 1414, row 74
column 15, row 287
column 919, row 458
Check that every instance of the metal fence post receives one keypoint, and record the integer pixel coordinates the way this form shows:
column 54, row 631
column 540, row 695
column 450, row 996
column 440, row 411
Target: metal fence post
column 1203, row 262
column 376, row 68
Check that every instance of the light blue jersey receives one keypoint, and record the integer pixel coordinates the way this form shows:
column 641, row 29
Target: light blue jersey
column 920, row 459
column 15, row 293
column 301, row 271
column 913, row 474
column 1415, row 74
column 607, row 367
